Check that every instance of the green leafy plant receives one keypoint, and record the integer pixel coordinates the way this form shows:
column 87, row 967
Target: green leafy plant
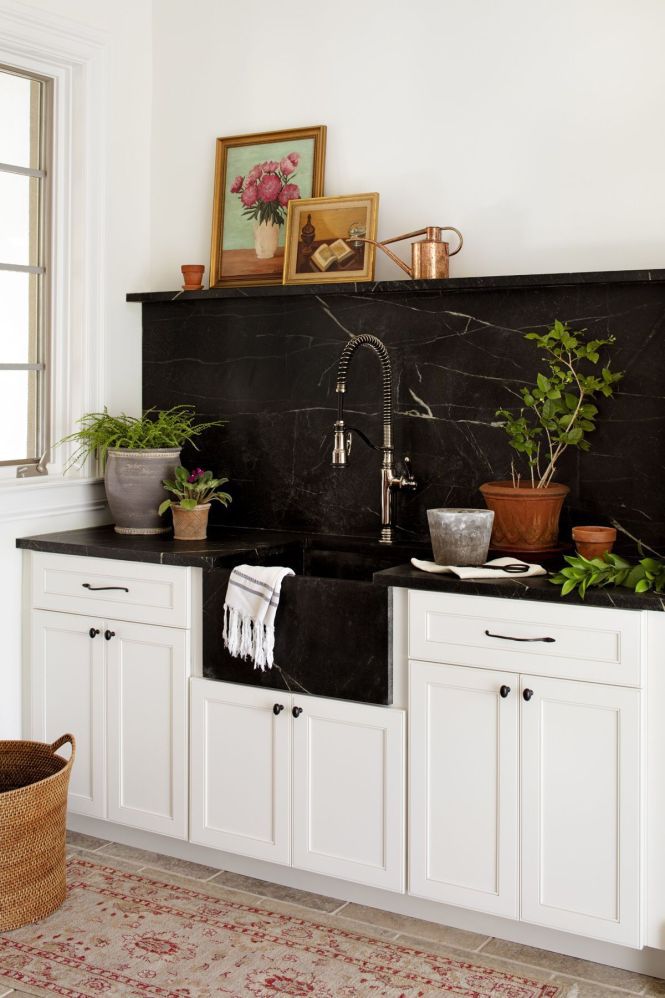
column 99, row 431
column 194, row 488
column 612, row 570
column 558, row 411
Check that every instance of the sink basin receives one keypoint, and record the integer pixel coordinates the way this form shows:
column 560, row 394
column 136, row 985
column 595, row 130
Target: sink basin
column 333, row 625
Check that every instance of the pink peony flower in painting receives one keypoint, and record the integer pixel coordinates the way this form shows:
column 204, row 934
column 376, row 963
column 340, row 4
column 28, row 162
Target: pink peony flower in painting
column 289, row 192
column 287, row 166
column 250, row 195
column 267, row 188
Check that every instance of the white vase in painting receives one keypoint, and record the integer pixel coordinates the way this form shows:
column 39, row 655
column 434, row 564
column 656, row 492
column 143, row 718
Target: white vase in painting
column 266, row 238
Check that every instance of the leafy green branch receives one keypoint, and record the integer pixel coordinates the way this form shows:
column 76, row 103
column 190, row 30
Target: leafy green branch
column 558, row 411
column 612, row 570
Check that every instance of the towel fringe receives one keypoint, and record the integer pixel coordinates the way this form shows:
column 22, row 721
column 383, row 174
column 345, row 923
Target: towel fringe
column 245, row 639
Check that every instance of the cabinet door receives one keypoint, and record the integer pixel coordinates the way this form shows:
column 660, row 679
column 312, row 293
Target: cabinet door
column 463, row 750
column 240, row 770
column 349, row 791
column 581, row 808
column 147, row 669
column 67, row 693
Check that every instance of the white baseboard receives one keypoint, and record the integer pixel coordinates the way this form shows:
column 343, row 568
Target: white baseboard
column 645, row 961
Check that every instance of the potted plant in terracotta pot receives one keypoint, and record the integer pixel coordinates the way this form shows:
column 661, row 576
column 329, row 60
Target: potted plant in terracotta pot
column 555, row 413
column 136, row 454
column 194, row 491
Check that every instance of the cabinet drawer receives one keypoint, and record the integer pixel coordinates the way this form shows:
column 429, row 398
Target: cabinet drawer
column 587, row 643
column 124, row 590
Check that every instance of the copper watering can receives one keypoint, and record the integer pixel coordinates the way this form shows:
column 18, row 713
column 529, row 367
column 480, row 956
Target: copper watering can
column 429, row 256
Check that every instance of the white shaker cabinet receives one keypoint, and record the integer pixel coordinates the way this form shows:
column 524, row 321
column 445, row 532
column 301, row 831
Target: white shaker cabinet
column 68, row 694
column 240, row 770
column 581, row 808
column 528, row 804
column 118, row 683
column 299, row 780
column 464, row 783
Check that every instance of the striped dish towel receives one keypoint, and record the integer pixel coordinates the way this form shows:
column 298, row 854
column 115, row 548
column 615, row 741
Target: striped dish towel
column 252, row 598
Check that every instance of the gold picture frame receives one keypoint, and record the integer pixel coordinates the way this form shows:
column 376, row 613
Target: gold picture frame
column 255, row 176
column 320, row 245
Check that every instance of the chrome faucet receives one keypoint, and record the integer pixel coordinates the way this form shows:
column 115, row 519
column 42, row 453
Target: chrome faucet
column 390, row 482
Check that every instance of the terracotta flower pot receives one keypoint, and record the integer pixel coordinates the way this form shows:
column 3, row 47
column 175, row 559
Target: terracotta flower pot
column 193, row 275
column 594, row 542
column 525, row 519
column 190, row 524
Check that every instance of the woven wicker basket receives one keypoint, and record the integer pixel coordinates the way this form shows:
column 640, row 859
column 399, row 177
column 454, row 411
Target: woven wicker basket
column 33, row 807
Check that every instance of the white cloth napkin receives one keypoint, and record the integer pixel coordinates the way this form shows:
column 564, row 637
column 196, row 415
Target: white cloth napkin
column 490, row 570
column 252, row 599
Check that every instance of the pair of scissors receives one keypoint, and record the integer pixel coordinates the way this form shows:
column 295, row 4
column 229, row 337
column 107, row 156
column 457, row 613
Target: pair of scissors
column 517, row 568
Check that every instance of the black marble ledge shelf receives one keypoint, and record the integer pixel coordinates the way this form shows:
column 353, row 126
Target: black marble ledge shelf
column 229, row 547
column 378, row 288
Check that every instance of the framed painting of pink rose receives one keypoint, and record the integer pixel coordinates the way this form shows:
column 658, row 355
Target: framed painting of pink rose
column 329, row 240
column 256, row 176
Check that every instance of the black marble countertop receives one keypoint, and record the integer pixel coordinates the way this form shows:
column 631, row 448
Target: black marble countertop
column 507, row 281
column 538, row 588
column 226, row 547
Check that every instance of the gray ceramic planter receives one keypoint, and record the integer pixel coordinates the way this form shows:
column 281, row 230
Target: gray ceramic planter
column 134, row 490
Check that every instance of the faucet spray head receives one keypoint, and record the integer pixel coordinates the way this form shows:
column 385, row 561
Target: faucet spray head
column 340, row 445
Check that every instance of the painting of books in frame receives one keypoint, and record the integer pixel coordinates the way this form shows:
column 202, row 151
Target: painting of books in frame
column 256, row 176
column 326, row 239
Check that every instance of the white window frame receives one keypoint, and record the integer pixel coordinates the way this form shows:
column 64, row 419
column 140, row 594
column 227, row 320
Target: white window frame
column 74, row 57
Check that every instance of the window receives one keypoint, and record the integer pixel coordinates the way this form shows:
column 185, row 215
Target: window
column 25, row 115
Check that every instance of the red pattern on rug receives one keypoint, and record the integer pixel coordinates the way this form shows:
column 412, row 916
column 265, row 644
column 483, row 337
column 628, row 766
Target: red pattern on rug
column 122, row 934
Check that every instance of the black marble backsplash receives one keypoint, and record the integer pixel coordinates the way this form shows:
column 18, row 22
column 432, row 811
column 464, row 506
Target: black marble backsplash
column 268, row 365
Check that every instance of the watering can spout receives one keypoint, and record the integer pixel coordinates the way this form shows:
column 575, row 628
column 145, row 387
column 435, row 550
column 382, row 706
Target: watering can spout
column 429, row 256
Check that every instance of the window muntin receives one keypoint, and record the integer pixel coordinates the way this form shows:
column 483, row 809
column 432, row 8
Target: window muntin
column 24, row 204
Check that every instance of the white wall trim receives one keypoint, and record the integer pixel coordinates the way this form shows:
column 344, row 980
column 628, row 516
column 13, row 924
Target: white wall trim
column 75, row 58
column 29, row 499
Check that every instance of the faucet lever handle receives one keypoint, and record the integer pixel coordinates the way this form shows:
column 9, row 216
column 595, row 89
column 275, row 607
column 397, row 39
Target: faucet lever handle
column 408, row 480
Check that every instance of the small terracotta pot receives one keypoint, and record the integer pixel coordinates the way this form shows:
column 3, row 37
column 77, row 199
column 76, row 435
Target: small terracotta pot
column 594, row 542
column 190, row 524
column 193, row 275
column 525, row 519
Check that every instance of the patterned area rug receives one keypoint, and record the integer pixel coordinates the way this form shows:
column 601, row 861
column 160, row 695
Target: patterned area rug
column 121, row 934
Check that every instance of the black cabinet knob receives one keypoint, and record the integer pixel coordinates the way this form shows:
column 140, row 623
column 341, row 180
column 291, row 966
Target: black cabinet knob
column 278, row 708
column 109, row 634
column 527, row 694
column 93, row 632
column 504, row 691
column 297, row 711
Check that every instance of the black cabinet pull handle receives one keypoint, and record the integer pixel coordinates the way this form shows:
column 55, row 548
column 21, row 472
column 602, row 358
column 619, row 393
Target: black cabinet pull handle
column 297, row 711
column 278, row 708
column 504, row 691
column 508, row 637
column 93, row 632
column 109, row 634
column 527, row 694
column 100, row 589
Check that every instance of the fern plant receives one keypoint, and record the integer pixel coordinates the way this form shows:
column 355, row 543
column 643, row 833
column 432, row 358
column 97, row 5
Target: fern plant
column 558, row 411
column 99, row 431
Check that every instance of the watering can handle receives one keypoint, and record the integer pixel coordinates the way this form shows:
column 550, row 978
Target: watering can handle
column 423, row 232
column 451, row 228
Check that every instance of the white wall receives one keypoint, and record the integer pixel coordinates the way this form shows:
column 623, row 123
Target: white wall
column 534, row 126
column 125, row 28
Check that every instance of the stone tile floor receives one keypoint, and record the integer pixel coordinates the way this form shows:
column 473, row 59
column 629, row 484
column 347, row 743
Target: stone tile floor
column 577, row 978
